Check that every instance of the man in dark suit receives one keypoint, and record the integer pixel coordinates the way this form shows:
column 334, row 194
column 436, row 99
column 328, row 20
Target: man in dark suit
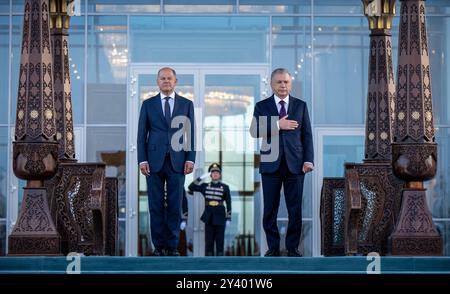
column 165, row 155
column 286, row 156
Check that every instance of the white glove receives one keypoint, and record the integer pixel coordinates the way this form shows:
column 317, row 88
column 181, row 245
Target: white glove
column 204, row 176
column 228, row 223
column 183, row 225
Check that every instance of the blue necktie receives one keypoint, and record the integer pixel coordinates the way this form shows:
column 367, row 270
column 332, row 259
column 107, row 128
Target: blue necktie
column 282, row 109
column 167, row 110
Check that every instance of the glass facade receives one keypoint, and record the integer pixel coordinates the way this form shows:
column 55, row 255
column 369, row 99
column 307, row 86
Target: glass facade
column 324, row 44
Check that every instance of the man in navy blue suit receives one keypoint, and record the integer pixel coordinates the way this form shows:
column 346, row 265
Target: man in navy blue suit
column 165, row 155
column 286, row 156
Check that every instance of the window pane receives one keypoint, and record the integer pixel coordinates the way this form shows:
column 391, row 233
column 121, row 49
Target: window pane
column 306, row 239
column 124, row 6
column 444, row 229
column 436, row 7
column 4, row 6
column 233, row 175
column 229, row 106
column 105, row 140
column 338, row 7
column 17, row 23
column 340, row 149
column 291, row 41
column 307, row 197
column 2, row 237
column 204, row 39
column 107, row 69
column 122, row 237
column 76, row 63
column 240, row 238
column 438, row 29
column 4, row 70
column 199, row 6
column 438, row 188
column 275, row 6
column 107, row 144
column 250, row 177
column 4, row 167
column 145, row 245
column 340, row 70
column 18, row 6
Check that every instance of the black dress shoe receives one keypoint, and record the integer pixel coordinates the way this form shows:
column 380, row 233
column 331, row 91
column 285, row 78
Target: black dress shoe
column 158, row 252
column 272, row 253
column 173, row 252
column 294, row 253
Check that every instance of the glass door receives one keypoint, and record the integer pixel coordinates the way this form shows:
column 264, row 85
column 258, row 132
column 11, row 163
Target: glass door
column 229, row 100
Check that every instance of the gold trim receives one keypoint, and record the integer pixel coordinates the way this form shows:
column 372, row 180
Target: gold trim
column 213, row 203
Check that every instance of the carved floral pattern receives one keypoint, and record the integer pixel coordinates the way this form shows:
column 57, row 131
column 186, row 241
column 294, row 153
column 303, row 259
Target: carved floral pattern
column 414, row 114
column 35, row 102
column 332, row 210
column 380, row 101
column 370, row 226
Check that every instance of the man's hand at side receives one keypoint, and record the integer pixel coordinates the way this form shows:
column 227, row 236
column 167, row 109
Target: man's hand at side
column 307, row 167
column 188, row 167
column 145, row 168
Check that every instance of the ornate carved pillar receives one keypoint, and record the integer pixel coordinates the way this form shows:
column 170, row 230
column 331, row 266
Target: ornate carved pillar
column 372, row 191
column 35, row 149
column 414, row 151
column 381, row 94
column 59, row 26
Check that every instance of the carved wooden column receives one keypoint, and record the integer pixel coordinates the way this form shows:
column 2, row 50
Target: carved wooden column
column 372, row 191
column 59, row 25
column 35, row 149
column 414, row 151
column 381, row 93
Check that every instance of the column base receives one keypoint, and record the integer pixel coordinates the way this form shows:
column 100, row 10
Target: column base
column 34, row 232
column 415, row 232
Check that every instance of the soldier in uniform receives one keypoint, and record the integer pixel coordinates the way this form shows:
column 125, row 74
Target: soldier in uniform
column 215, row 217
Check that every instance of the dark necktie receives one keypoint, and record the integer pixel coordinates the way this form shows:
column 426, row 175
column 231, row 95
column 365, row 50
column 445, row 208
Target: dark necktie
column 167, row 110
column 282, row 109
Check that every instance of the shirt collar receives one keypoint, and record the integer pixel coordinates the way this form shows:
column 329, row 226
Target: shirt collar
column 277, row 99
column 172, row 95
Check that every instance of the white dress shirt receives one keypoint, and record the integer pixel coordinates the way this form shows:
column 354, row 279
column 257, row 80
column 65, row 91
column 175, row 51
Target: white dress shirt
column 171, row 102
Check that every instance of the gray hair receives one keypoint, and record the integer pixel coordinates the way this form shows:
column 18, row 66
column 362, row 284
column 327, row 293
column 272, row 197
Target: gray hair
column 169, row 68
column 279, row 70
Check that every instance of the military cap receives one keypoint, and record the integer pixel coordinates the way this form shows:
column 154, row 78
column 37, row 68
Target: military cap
column 215, row 167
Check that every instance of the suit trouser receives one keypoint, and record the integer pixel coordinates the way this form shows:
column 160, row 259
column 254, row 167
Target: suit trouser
column 165, row 220
column 214, row 234
column 293, row 191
